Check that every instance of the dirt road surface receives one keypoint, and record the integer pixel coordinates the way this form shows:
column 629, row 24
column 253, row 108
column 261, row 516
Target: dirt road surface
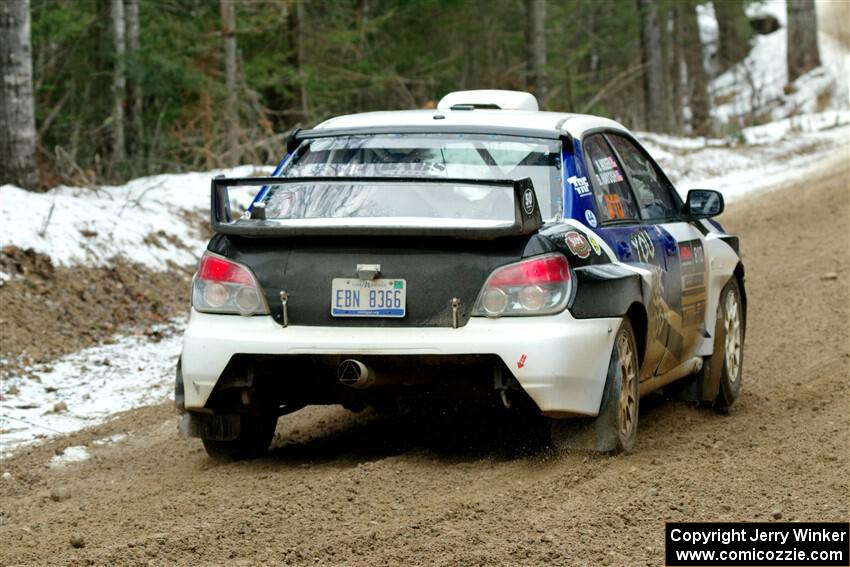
column 344, row 489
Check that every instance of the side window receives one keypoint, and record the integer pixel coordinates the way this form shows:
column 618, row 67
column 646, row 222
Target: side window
column 613, row 199
column 654, row 193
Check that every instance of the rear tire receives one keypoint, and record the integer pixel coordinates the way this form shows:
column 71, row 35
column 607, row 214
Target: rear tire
column 615, row 427
column 255, row 436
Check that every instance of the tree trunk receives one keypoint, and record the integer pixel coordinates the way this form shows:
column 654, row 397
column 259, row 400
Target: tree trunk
column 231, row 111
column 295, row 25
column 119, row 81
column 803, row 55
column 733, row 32
column 656, row 106
column 673, row 51
column 535, row 42
column 17, row 108
column 697, row 81
column 136, row 138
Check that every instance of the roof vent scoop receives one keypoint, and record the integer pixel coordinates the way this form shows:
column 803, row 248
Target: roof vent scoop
column 488, row 99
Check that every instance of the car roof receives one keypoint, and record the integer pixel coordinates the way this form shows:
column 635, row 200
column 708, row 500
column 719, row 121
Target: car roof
column 547, row 123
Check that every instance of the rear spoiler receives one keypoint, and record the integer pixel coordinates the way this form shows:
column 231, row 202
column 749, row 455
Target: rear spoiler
column 527, row 217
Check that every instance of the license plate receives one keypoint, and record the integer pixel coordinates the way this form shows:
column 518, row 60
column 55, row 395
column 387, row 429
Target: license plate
column 368, row 298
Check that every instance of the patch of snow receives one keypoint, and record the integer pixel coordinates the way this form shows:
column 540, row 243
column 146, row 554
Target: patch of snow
column 111, row 440
column 143, row 221
column 758, row 85
column 73, row 454
column 738, row 170
column 778, row 130
column 87, row 387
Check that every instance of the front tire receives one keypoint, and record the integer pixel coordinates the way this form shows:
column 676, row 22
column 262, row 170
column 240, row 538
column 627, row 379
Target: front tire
column 255, row 436
column 730, row 318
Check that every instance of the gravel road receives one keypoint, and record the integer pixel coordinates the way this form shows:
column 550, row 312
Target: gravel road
column 345, row 489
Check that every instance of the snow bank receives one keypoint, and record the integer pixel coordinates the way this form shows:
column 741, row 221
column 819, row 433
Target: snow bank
column 766, row 157
column 149, row 220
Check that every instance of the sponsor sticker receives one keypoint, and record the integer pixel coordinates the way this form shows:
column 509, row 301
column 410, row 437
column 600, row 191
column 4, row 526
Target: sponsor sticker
column 615, row 206
column 590, row 217
column 610, row 177
column 528, row 201
column 577, row 244
column 595, row 245
column 644, row 247
column 580, row 185
column 606, row 163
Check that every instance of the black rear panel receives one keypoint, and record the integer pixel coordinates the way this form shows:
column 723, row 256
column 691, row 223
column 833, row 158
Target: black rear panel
column 436, row 270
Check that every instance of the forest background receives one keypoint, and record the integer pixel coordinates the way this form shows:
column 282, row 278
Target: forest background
column 101, row 91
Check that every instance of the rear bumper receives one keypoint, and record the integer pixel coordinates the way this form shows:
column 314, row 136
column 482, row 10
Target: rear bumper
column 559, row 361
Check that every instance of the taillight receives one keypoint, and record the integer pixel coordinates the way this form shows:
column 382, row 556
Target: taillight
column 223, row 286
column 537, row 286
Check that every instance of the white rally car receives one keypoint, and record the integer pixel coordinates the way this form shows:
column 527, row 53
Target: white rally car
column 483, row 251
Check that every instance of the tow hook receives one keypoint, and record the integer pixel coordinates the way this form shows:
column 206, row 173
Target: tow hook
column 284, row 297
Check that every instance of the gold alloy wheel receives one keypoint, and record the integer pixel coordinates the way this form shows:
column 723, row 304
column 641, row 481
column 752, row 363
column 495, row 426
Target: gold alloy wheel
column 626, row 416
column 732, row 325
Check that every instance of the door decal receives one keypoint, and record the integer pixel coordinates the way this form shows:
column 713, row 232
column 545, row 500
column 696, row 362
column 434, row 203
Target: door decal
column 642, row 243
column 692, row 261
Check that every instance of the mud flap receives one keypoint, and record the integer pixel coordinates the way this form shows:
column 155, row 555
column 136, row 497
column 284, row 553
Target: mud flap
column 225, row 427
column 593, row 434
column 605, row 425
column 179, row 392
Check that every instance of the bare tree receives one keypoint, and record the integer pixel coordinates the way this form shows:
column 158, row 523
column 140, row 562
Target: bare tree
column 17, row 108
column 733, row 31
column 803, row 54
column 134, row 89
column 228, row 32
column 119, row 81
column 673, row 63
column 535, row 42
column 654, row 90
column 697, row 81
column 295, row 28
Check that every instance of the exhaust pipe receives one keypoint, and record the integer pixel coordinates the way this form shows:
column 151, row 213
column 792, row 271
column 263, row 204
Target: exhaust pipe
column 355, row 374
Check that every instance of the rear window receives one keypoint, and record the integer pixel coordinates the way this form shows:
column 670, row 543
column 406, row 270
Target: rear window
column 403, row 202
column 458, row 156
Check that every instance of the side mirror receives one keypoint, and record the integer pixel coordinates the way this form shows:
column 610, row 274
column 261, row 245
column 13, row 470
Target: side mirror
column 703, row 203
